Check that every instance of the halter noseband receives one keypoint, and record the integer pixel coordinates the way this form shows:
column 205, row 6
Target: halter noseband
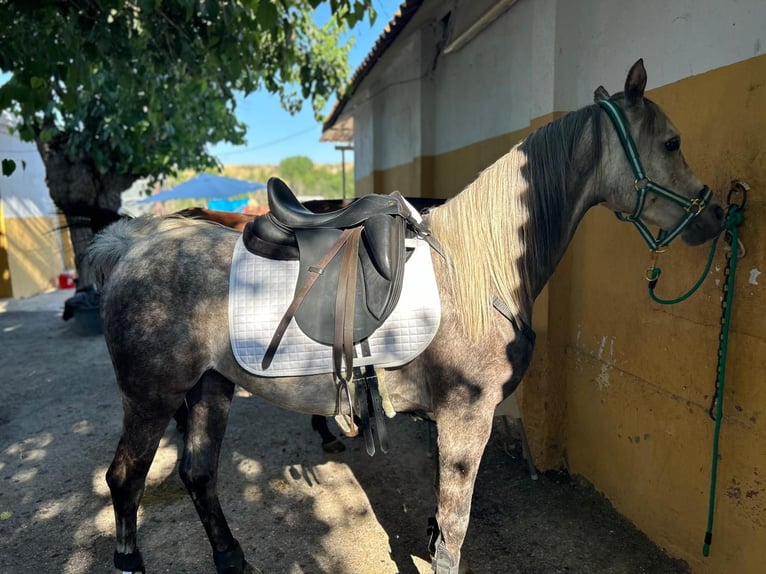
column 643, row 184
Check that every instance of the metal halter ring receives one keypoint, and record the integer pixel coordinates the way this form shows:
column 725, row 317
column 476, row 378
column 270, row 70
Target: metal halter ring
column 737, row 188
column 640, row 184
column 695, row 207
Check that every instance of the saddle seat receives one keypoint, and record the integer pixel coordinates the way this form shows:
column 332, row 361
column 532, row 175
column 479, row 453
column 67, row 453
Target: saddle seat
column 351, row 264
column 292, row 214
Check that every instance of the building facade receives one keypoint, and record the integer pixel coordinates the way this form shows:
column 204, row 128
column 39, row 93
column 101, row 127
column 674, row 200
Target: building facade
column 31, row 250
column 619, row 388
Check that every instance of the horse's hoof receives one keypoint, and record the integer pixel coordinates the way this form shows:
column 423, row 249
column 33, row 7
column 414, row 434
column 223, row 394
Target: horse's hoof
column 232, row 561
column 333, row 447
column 132, row 563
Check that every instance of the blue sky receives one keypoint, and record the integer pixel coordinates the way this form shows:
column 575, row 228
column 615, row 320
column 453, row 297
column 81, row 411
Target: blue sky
column 273, row 134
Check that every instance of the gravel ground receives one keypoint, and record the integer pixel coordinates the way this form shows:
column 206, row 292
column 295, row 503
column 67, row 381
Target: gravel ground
column 294, row 509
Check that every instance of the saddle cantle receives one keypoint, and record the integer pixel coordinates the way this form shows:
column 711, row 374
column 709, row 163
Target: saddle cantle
column 351, row 265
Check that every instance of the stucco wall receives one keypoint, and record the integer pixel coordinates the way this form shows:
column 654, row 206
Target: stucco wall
column 619, row 386
column 32, row 257
column 639, row 376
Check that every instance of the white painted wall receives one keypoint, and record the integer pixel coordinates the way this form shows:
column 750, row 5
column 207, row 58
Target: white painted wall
column 484, row 90
column 540, row 56
column 598, row 40
column 364, row 140
column 396, row 98
column 24, row 193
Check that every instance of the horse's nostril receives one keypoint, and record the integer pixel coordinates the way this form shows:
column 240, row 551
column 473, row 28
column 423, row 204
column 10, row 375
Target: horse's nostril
column 718, row 212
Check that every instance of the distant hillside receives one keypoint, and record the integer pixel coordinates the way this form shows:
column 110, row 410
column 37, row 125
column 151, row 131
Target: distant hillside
column 304, row 176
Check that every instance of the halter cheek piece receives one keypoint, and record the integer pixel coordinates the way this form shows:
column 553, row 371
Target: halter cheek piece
column 693, row 207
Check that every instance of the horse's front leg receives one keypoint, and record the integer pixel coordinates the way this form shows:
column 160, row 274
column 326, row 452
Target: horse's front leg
column 463, row 434
column 208, row 413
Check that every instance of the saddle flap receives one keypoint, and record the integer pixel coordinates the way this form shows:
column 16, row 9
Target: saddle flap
column 380, row 261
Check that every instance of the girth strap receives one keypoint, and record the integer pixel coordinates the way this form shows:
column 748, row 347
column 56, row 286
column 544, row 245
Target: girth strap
column 370, row 404
column 300, row 294
column 365, row 424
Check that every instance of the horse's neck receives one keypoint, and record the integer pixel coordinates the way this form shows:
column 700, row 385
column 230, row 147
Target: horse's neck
column 505, row 238
column 562, row 172
column 541, row 263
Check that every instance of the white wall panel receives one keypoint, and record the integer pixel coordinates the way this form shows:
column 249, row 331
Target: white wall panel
column 598, row 40
column 538, row 57
column 24, row 193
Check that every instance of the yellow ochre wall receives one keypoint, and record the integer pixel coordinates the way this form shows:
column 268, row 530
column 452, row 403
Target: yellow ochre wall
column 639, row 376
column 33, row 253
column 619, row 387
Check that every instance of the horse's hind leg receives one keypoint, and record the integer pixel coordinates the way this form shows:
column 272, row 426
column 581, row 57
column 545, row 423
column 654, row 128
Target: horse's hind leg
column 461, row 441
column 330, row 443
column 126, row 478
column 208, row 403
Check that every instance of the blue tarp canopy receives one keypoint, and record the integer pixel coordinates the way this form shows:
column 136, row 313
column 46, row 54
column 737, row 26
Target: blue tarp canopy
column 206, row 186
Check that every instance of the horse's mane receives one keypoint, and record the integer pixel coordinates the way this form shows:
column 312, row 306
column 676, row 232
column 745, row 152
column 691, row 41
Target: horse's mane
column 505, row 230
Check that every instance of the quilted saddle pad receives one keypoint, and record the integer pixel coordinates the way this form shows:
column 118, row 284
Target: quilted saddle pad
column 260, row 290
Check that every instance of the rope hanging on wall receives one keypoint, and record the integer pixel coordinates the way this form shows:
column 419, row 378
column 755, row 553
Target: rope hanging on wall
column 734, row 217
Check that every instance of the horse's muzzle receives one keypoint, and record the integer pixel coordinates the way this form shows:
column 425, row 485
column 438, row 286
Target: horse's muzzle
column 707, row 225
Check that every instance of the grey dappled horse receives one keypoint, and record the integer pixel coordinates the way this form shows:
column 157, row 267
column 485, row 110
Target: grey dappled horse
column 503, row 237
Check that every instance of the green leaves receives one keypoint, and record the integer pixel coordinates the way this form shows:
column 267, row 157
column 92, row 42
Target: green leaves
column 145, row 86
column 267, row 15
column 9, row 166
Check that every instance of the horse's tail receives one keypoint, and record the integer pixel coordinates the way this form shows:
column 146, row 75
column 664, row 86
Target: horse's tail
column 111, row 244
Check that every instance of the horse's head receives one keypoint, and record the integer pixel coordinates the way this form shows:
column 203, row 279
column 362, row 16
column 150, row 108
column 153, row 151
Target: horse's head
column 644, row 172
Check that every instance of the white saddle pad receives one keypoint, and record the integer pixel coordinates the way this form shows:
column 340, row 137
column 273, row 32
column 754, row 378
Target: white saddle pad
column 260, row 290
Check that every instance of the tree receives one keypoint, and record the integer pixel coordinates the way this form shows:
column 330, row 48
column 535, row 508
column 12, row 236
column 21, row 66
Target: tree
column 297, row 171
column 113, row 91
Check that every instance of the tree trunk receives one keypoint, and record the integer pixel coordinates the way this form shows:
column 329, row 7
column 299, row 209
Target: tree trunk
column 89, row 199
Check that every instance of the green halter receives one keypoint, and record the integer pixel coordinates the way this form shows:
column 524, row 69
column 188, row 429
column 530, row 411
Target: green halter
column 643, row 184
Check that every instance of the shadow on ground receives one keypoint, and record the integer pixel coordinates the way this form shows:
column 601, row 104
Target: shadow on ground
column 294, row 509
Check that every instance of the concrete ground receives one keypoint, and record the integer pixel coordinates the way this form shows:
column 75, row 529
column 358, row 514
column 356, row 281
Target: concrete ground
column 294, row 509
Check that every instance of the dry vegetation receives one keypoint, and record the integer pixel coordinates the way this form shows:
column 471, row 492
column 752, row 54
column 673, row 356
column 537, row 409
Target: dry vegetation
column 306, row 178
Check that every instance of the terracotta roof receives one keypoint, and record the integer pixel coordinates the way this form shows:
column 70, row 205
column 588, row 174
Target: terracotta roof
column 405, row 13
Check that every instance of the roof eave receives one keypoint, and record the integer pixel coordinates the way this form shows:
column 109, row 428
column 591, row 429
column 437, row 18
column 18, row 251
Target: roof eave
column 405, row 13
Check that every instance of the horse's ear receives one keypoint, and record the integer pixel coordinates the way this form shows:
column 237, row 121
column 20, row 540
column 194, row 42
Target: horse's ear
column 600, row 94
column 635, row 83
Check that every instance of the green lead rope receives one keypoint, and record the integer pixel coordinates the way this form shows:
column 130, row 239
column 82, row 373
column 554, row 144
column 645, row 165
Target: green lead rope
column 655, row 272
column 734, row 218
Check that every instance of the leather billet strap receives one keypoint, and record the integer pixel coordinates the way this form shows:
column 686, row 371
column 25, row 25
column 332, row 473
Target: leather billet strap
column 345, row 299
column 522, row 328
column 300, row 294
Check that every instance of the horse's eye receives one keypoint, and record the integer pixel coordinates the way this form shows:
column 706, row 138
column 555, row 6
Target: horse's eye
column 673, row 144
